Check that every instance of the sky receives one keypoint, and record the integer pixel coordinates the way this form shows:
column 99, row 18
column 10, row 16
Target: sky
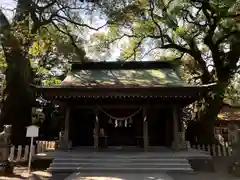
column 94, row 21
column 8, row 4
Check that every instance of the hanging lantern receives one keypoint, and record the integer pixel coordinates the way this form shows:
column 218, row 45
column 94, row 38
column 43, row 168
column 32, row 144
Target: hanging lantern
column 125, row 123
column 130, row 121
column 120, row 123
column 110, row 121
column 116, row 123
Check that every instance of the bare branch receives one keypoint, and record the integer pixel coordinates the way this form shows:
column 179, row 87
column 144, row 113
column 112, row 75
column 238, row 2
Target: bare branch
column 177, row 47
column 79, row 51
column 151, row 8
column 149, row 52
column 80, row 24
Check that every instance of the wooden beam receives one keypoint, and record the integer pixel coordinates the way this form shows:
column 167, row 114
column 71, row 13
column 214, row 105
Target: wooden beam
column 96, row 132
column 126, row 106
column 66, row 128
column 116, row 106
column 167, row 130
column 175, row 127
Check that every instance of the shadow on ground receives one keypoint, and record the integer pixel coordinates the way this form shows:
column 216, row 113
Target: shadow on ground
column 21, row 173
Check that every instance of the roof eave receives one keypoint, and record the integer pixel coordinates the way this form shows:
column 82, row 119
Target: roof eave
column 127, row 91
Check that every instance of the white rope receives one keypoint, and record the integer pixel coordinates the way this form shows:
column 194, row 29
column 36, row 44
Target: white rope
column 120, row 118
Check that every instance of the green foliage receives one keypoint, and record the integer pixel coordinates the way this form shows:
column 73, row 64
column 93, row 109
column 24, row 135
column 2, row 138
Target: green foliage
column 131, row 49
column 183, row 23
column 3, row 64
column 51, row 81
column 233, row 90
column 143, row 27
column 181, row 31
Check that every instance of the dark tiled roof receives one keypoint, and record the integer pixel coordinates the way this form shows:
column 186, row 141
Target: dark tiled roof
column 124, row 78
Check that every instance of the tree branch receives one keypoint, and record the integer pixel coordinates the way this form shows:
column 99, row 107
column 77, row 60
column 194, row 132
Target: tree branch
column 177, row 47
column 80, row 24
column 135, row 50
column 42, row 8
column 151, row 8
column 226, row 36
column 4, row 23
column 79, row 51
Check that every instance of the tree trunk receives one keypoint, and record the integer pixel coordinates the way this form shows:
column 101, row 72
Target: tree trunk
column 208, row 116
column 18, row 96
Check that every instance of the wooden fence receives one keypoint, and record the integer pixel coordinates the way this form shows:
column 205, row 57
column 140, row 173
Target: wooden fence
column 43, row 146
column 214, row 149
column 21, row 154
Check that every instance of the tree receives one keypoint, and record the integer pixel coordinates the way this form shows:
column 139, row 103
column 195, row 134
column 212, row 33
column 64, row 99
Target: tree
column 17, row 38
column 232, row 95
column 204, row 34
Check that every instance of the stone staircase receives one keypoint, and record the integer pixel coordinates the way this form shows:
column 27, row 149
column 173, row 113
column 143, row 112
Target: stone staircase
column 100, row 162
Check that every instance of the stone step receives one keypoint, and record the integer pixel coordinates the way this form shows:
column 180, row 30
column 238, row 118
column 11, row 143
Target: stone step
column 116, row 157
column 113, row 160
column 120, row 165
column 102, row 162
column 119, row 170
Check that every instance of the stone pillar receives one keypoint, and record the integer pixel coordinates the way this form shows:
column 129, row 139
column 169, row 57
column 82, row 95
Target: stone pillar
column 176, row 137
column 66, row 128
column 96, row 132
column 145, row 130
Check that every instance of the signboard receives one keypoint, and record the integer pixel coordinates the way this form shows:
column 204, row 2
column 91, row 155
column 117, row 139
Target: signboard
column 32, row 131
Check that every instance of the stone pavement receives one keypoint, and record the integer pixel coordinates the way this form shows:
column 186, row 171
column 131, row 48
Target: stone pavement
column 119, row 176
column 144, row 176
column 219, row 174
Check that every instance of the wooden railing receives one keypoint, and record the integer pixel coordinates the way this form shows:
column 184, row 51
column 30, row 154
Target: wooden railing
column 43, row 146
column 214, row 149
column 21, row 154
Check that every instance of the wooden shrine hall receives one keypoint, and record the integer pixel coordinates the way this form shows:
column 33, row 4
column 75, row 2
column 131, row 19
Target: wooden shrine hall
column 123, row 104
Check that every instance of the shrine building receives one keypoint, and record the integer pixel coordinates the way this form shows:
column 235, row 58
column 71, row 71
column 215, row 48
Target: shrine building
column 123, row 104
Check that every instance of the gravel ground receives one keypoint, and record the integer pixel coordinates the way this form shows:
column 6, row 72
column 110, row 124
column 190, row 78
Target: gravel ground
column 145, row 176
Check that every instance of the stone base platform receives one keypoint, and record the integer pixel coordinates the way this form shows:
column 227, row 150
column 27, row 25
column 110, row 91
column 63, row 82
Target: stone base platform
column 126, row 160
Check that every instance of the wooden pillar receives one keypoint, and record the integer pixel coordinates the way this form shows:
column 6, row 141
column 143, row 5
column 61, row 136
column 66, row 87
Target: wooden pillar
column 176, row 137
column 167, row 132
column 183, row 130
column 96, row 132
column 66, row 128
column 145, row 130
